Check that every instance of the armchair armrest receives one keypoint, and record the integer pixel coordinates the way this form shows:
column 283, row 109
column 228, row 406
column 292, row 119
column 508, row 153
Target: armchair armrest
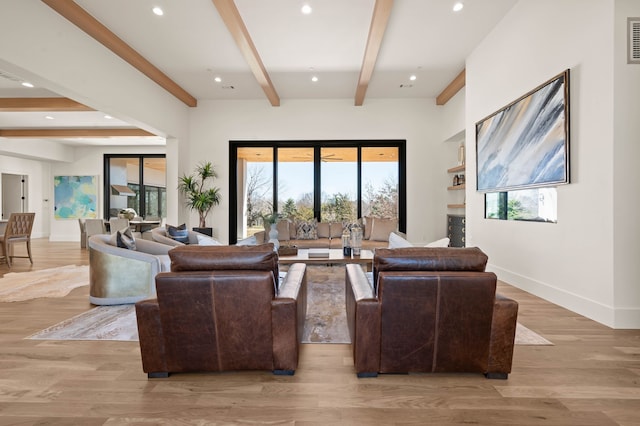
column 503, row 331
column 363, row 320
column 288, row 312
column 151, row 338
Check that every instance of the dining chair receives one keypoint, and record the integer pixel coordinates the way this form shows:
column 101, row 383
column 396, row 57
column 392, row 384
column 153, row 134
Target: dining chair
column 18, row 230
column 118, row 224
column 83, row 232
column 93, row 227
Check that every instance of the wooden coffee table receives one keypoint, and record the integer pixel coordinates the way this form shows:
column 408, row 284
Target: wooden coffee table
column 335, row 257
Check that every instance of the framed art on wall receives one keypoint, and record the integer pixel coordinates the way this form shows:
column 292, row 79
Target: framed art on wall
column 75, row 197
column 526, row 143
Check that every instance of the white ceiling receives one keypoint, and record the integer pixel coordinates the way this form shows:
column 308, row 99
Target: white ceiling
column 191, row 44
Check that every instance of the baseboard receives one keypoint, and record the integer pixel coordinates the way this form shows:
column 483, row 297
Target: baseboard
column 621, row 318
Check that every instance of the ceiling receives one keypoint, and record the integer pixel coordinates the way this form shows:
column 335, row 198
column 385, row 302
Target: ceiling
column 195, row 41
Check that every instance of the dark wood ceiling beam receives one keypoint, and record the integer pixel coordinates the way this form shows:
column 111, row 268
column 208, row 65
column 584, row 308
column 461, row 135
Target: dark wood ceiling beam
column 41, row 104
column 454, row 87
column 87, row 23
column 381, row 13
column 232, row 19
column 72, row 133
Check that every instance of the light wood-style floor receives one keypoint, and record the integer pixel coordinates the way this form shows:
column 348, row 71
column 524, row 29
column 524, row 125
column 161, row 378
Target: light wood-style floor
column 590, row 377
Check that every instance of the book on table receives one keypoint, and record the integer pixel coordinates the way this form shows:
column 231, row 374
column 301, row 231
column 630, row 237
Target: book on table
column 318, row 253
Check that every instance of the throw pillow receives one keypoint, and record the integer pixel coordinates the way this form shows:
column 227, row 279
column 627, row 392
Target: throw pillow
column 249, row 241
column 205, row 240
column 443, row 242
column 179, row 233
column 283, row 230
column 125, row 239
column 382, row 228
column 307, row 230
column 396, row 241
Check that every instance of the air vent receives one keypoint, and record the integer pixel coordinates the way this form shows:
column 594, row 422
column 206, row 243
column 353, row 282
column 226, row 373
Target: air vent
column 633, row 31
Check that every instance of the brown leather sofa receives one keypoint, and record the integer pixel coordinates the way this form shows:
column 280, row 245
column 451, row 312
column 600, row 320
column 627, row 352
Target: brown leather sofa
column 221, row 308
column 429, row 310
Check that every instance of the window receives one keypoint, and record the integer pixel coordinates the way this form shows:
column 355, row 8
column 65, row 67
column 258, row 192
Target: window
column 537, row 205
column 334, row 181
column 137, row 182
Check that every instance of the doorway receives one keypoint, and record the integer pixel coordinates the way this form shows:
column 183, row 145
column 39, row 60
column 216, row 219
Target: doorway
column 14, row 194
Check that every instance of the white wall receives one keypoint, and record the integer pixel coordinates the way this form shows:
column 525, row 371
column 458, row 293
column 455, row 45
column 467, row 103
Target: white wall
column 572, row 262
column 87, row 161
column 215, row 123
column 626, row 196
column 38, row 200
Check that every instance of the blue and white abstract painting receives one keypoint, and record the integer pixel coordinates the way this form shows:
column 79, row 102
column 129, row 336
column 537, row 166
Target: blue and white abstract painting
column 525, row 144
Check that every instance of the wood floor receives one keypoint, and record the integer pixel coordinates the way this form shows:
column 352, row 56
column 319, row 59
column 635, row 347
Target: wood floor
column 591, row 376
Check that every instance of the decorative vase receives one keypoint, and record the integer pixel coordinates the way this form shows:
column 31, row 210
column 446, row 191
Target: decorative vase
column 273, row 236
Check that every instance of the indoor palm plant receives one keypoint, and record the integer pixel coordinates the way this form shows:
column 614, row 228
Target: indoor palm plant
column 199, row 191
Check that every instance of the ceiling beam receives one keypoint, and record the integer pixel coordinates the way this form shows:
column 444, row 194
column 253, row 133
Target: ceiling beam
column 87, row 23
column 232, row 19
column 72, row 133
column 41, row 104
column 454, row 87
column 381, row 13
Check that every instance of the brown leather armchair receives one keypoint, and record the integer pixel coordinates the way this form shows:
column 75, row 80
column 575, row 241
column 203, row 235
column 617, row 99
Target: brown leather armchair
column 221, row 308
column 429, row 310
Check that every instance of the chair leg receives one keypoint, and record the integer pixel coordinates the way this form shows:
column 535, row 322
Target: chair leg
column 7, row 253
column 29, row 250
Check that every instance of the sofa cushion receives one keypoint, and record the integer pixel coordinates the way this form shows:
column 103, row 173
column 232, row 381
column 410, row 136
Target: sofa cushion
column 165, row 262
column 283, row 230
column 381, row 229
column 307, row 230
column 367, row 223
column 179, row 233
column 125, row 239
column 324, row 230
column 336, row 230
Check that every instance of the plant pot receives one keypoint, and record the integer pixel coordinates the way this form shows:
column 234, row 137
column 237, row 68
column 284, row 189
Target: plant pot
column 205, row 231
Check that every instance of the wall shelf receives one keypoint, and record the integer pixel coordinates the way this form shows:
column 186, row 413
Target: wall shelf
column 456, row 187
column 456, row 169
column 456, row 206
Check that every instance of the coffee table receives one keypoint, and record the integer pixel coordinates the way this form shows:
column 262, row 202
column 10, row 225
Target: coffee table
column 335, row 257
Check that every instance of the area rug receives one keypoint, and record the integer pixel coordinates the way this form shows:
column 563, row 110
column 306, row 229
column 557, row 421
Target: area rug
column 326, row 320
column 54, row 282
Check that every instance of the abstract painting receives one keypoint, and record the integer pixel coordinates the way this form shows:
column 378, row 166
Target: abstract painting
column 75, row 197
column 526, row 144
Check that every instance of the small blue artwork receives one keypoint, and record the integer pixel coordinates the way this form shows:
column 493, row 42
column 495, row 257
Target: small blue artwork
column 75, row 197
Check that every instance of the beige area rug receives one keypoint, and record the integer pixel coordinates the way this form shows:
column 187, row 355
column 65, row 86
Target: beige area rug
column 326, row 317
column 54, row 282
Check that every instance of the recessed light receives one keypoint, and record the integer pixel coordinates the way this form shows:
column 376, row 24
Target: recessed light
column 48, row 117
column 108, row 117
column 314, row 78
column 27, row 84
column 306, row 9
column 158, row 11
column 412, row 78
column 217, row 80
column 458, row 6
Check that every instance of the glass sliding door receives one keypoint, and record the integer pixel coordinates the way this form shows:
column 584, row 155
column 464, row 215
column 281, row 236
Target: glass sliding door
column 330, row 181
column 296, row 197
column 380, row 178
column 339, row 184
column 137, row 182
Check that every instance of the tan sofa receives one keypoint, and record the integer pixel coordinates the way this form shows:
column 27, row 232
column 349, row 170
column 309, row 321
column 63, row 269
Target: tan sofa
column 329, row 235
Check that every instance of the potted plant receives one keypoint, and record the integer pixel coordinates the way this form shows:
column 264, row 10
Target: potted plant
column 200, row 195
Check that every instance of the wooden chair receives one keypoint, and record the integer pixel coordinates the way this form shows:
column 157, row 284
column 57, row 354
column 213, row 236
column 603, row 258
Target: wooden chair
column 18, row 230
